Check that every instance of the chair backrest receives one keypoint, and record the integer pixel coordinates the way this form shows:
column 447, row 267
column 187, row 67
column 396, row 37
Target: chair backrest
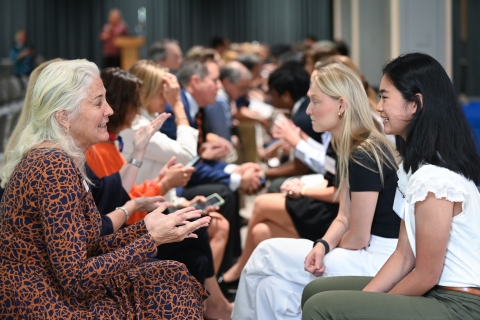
column 4, row 96
column 16, row 87
column 3, row 130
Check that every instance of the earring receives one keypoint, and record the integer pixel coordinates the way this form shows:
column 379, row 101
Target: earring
column 340, row 114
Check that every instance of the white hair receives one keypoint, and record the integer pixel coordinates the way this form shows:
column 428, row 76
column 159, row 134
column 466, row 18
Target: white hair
column 60, row 86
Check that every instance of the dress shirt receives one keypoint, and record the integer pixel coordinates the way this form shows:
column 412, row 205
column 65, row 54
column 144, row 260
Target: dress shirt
column 313, row 153
column 193, row 105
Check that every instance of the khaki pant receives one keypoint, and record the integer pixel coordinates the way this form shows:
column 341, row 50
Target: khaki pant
column 341, row 298
column 246, row 132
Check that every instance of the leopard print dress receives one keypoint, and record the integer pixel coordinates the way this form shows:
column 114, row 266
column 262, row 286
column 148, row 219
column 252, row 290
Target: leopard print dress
column 55, row 265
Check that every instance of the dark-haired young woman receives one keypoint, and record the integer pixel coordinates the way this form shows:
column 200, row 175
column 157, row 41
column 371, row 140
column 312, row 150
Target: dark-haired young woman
column 435, row 271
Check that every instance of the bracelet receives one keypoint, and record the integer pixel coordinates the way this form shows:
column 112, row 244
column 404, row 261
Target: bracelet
column 325, row 244
column 302, row 193
column 125, row 211
column 134, row 162
column 179, row 119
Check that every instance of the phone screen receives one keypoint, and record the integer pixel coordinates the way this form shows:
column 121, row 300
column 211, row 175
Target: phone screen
column 212, row 200
column 193, row 161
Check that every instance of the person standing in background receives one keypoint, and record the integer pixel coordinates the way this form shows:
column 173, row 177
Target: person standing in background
column 22, row 54
column 114, row 28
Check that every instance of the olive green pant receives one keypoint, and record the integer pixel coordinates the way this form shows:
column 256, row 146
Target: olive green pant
column 342, row 298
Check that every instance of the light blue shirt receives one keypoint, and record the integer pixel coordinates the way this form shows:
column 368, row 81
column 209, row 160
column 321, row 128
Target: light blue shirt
column 313, row 153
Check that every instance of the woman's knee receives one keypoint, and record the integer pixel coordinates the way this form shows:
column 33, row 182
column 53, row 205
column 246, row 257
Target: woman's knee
column 313, row 308
column 223, row 226
column 262, row 202
column 260, row 232
column 219, row 226
column 333, row 283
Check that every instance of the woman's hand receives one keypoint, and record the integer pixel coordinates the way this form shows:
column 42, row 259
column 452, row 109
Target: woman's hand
column 147, row 203
column 188, row 203
column 177, row 176
column 144, row 134
column 314, row 260
column 163, row 172
column 293, row 188
column 287, row 130
column 200, row 199
column 171, row 89
column 174, row 227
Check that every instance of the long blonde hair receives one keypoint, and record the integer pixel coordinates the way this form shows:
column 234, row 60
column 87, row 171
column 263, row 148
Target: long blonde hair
column 151, row 75
column 60, row 86
column 359, row 131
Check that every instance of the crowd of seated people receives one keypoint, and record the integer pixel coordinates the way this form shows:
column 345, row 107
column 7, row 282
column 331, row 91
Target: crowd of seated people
column 370, row 209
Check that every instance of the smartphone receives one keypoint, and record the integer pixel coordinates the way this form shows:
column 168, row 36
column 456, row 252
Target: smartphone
column 170, row 210
column 212, row 200
column 192, row 162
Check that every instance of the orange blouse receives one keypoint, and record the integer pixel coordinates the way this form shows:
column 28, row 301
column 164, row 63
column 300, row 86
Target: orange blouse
column 104, row 159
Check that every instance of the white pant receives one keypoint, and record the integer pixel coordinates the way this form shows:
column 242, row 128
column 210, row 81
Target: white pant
column 273, row 279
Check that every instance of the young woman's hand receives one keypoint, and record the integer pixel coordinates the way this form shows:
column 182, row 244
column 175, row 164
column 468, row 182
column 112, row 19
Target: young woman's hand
column 293, row 188
column 314, row 260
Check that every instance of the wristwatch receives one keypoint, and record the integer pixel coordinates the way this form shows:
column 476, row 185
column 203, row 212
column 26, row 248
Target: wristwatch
column 134, row 162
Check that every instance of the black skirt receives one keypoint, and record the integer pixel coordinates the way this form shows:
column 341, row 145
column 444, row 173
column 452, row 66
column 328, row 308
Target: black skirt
column 311, row 217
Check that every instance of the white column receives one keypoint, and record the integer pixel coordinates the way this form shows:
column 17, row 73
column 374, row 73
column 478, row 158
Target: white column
column 355, row 47
column 448, row 38
column 337, row 19
column 394, row 28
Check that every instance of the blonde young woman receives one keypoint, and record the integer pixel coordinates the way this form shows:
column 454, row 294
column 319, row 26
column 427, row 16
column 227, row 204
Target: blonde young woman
column 365, row 232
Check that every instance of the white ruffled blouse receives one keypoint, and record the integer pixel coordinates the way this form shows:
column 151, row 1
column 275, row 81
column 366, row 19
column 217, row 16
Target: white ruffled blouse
column 462, row 260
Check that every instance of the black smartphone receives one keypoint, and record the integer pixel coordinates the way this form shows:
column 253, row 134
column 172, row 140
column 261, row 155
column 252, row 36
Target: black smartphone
column 170, row 210
column 192, row 162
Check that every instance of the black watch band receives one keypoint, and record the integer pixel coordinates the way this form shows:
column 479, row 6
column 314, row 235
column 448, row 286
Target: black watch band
column 325, row 244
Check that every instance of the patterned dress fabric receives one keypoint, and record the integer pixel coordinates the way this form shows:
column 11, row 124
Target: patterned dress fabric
column 55, row 265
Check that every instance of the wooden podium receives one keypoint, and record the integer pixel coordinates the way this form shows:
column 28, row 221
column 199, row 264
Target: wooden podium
column 128, row 49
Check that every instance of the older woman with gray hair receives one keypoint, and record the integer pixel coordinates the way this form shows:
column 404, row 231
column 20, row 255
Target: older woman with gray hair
column 53, row 262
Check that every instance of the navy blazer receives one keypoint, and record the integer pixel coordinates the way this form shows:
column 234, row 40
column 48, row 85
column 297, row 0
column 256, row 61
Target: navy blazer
column 169, row 127
column 108, row 193
column 205, row 171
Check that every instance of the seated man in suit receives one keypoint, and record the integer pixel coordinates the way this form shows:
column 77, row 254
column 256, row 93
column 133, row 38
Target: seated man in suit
column 236, row 80
column 200, row 82
column 288, row 87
